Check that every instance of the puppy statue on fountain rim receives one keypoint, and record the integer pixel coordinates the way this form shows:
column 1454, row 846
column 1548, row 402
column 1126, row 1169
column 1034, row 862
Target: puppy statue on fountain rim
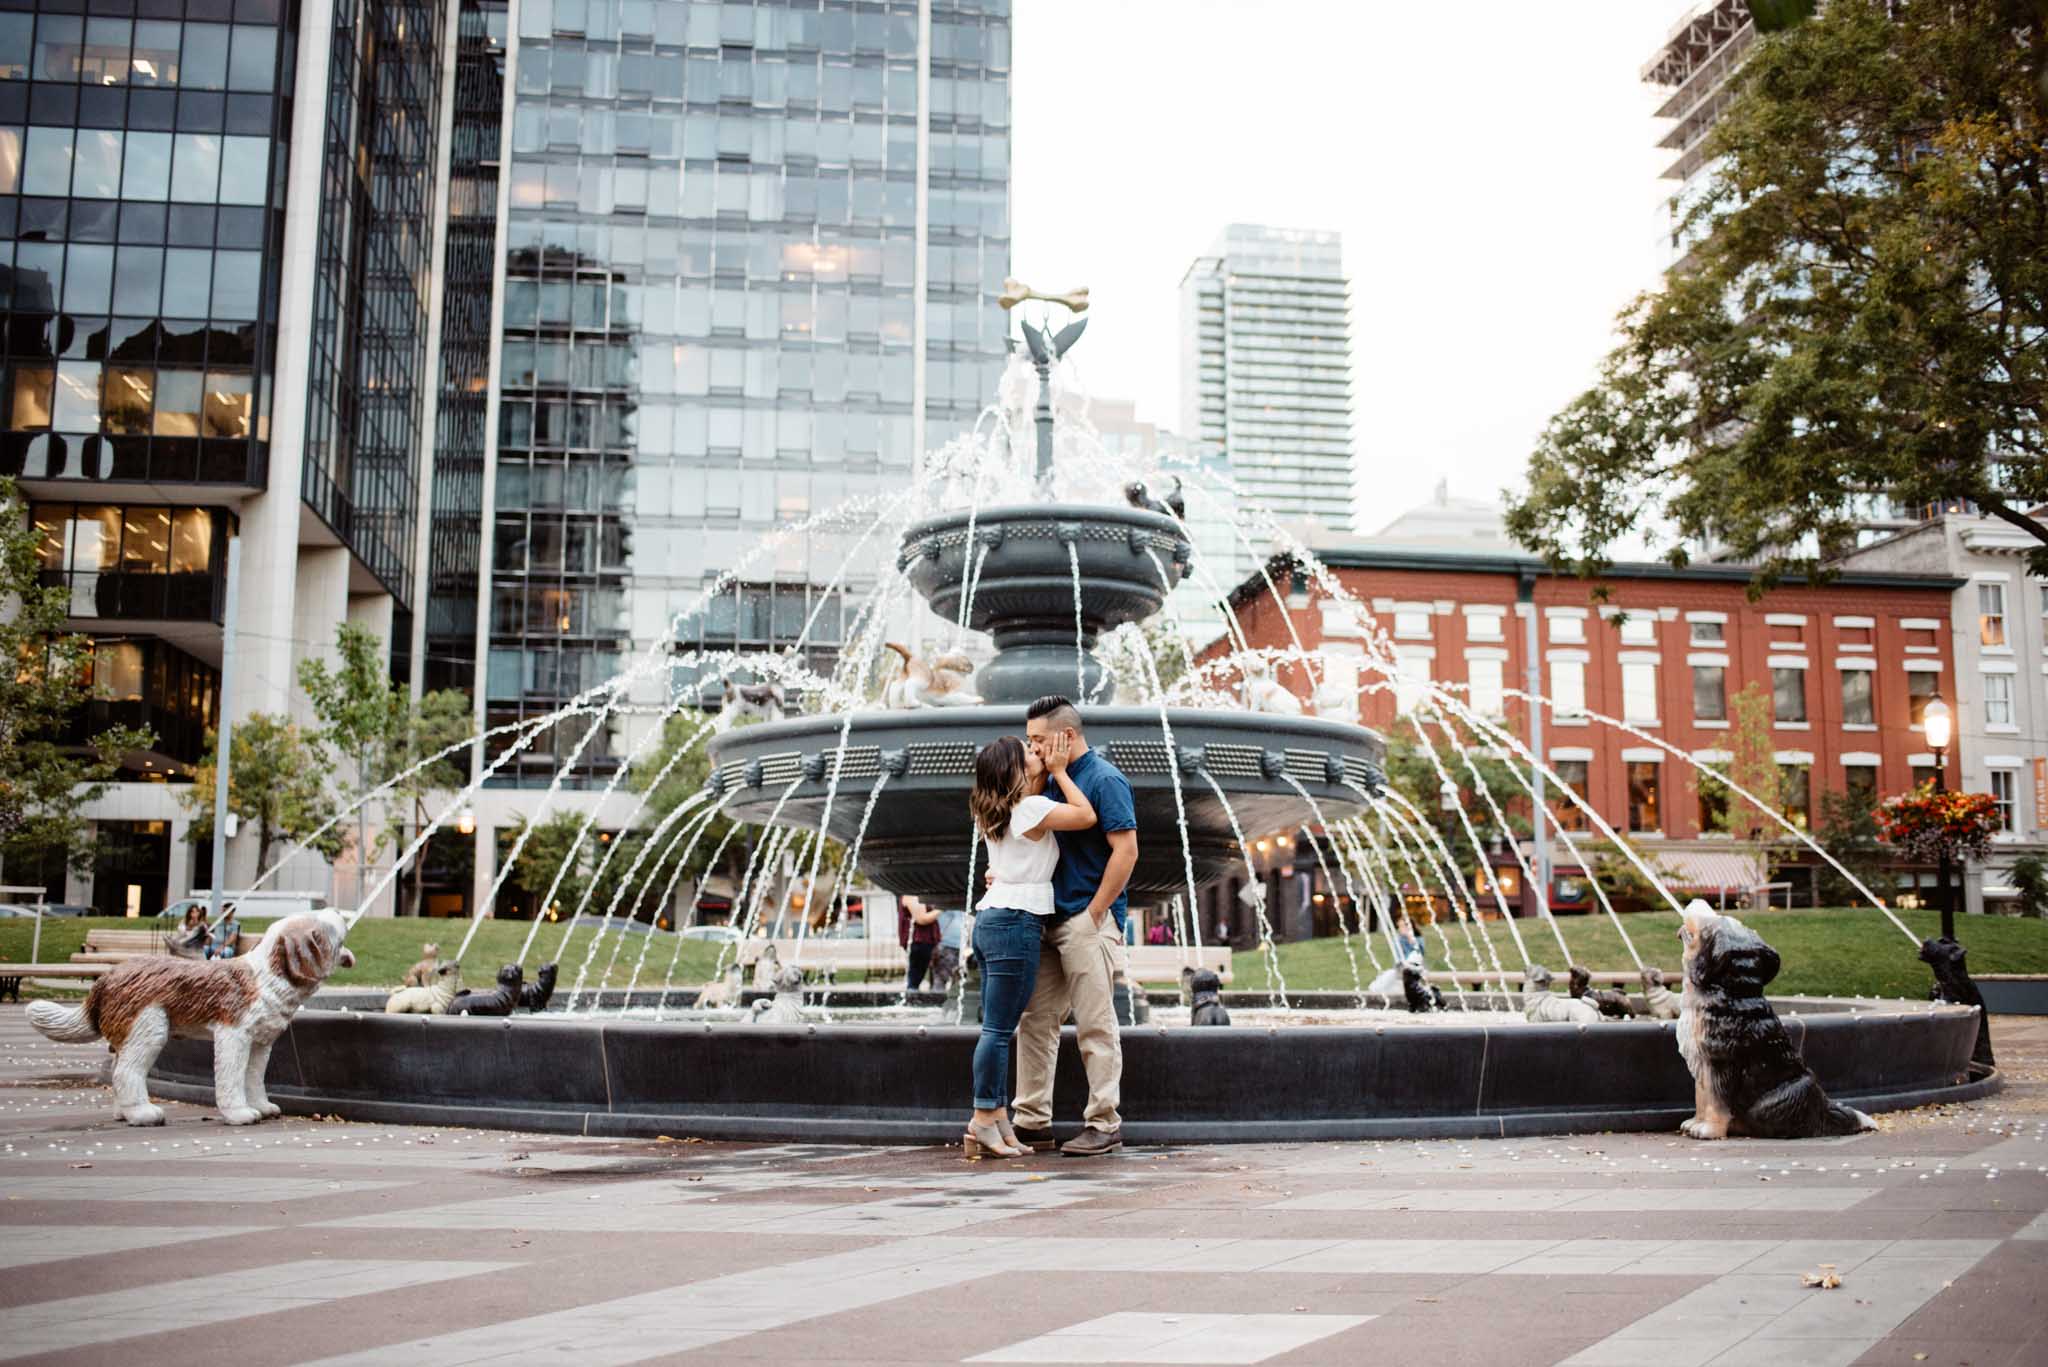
column 1747, row 1077
column 244, row 1003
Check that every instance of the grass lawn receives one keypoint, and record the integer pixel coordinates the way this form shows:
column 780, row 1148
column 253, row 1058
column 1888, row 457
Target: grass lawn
column 385, row 948
column 1828, row 951
column 1831, row 951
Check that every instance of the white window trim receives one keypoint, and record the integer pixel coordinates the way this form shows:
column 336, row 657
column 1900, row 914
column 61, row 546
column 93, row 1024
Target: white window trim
column 2002, row 576
column 1579, row 613
column 1699, row 725
column 1486, row 653
column 1791, row 726
column 1571, row 752
column 1568, row 655
column 1382, row 605
column 1854, row 645
column 1710, row 660
column 2003, row 762
column 2000, row 729
column 1998, row 667
column 1792, row 756
column 1851, row 623
column 1713, row 756
column 1643, row 754
column 1426, row 609
column 1861, row 759
column 1409, row 652
column 1639, row 657
column 1919, row 624
column 1484, row 609
column 1706, row 617
column 1859, row 726
column 1924, row 760
column 1922, row 666
column 1784, row 619
column 1788, row 662
column 1856, row 664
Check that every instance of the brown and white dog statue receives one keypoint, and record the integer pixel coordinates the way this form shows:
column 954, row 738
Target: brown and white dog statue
column 244, row 1003
column 1747, row 1077
column 421, row 974
column 939, row 682
column 432, row 998
column 1660, row 1001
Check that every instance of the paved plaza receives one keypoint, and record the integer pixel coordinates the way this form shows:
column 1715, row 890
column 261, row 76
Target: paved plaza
column 306, row 1241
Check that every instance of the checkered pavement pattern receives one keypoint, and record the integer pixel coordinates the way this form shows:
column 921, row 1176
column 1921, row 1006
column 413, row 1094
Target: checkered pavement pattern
column 302, row 1241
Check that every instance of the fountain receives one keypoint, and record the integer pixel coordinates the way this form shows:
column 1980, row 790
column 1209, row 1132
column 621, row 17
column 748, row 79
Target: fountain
column 1045, row 571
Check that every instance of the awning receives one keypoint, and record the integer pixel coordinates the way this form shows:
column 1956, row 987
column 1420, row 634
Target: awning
column 1709, row 870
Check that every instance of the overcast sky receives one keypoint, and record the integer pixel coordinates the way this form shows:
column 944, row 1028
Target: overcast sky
column 1491, row 167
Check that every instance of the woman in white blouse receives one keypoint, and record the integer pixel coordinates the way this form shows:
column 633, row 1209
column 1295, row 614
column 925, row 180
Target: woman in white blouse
column 1017, row 821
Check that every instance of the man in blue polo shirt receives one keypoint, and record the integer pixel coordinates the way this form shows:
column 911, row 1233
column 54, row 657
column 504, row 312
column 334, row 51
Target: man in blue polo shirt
column 1084, row 945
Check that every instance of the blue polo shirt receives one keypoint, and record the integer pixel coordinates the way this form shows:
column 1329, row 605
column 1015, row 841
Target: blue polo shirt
column 1084, row 855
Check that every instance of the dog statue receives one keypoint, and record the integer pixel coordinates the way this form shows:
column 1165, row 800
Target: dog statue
column 1747, row 1077
column 1420, row 993
column 749, row 702
column 1174, row 505
column 1206, row 990
column 501, row 1000
column 1608, row 1002
column 432, row 999
column 725, row 990
column 534, row 996
column 1333, row 702
column 1264, row 693
column 787, row 1005
column 1542, row 1006
column 941, row 682
column 421, row 974
column 244, row 1003
column 1658, row 1000
column 1953, row 984
column 767, row 968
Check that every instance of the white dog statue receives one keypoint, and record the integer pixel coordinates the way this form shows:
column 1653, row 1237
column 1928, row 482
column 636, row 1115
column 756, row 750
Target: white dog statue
column 744, row 702
column 941, row 682
column 1264, row 693
column 430, row 1000
column 787, row 1006
column 244, row 1003
column 1544, row 1007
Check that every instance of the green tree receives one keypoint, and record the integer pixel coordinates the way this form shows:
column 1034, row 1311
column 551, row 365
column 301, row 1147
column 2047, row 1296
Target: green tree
column 274, row 780
column 555, row 847
column 376, row 724
column 1626, row 886
column 1862, row 311
column 1411, row 774
column 1848, row 831
column 1124, row 651
column 45, row 680
column 1753, row 765
column 2030, row 878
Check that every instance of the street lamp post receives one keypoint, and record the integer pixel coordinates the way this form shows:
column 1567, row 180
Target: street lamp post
column 1940, row 723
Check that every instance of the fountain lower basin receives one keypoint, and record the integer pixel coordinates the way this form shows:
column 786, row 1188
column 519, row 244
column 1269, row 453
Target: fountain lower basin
column 1451, row 1077
column 919, row 838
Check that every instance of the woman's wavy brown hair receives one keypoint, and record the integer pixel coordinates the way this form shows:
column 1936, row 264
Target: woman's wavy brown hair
column 999, row 772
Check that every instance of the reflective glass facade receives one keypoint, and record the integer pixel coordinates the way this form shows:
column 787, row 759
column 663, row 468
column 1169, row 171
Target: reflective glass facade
column 142, row 165
column 710, row 317
column 369, row 310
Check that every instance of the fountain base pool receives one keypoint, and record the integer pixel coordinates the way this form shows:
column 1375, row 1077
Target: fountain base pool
column 1455, row 1076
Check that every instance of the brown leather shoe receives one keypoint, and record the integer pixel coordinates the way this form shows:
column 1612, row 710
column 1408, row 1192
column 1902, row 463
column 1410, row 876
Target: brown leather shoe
column 1092, row 1143
column 1038, row 1141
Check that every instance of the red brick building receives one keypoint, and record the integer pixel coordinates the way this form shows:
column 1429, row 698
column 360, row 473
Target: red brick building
column 1846, row 664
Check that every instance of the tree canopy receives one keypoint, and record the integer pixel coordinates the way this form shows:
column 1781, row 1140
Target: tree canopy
column 44, row 784
column 1863, row 309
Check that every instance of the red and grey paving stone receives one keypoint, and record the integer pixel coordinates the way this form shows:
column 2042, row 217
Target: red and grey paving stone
column 303, row 1241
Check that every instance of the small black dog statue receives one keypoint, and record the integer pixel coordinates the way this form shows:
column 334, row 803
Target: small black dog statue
column 534, row 996
column 1607, row 1000
column 1208, row 994
column 1421, row 993
column 500, row 1000
column 1953, row 985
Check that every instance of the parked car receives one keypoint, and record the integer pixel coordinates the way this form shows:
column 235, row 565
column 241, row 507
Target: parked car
column 9, row 910
column 725, row 935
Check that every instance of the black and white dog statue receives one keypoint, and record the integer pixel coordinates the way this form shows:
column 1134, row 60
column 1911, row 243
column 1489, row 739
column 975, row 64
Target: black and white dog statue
column 1208, row 1008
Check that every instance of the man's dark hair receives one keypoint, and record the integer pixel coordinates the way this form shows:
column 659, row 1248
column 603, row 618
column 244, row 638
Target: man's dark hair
column 1051, row 705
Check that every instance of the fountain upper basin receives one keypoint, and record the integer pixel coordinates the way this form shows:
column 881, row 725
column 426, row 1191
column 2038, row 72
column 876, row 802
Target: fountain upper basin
column 919, row 838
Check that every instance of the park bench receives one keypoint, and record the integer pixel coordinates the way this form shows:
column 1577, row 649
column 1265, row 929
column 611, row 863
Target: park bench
column 12, row 975
column 822, row 954
column 117, row 946
column 1163, row 963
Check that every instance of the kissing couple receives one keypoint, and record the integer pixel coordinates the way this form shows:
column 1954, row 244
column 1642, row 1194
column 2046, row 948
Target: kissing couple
column 1062, row 836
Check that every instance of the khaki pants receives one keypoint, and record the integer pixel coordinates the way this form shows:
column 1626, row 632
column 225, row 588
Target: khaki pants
column 1076, row 969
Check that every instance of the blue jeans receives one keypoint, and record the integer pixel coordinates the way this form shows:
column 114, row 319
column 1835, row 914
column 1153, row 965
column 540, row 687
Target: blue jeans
column 1007, row 943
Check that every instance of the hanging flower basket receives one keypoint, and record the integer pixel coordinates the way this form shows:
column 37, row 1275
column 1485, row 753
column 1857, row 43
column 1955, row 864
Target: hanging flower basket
column 1923, row 825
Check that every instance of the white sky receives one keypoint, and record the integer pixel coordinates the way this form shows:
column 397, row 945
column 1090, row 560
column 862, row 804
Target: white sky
column 1491, row 166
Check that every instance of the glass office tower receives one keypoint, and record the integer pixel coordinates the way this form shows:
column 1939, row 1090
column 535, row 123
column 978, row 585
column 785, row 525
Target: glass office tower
column 170, row 381
column 747, row 275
